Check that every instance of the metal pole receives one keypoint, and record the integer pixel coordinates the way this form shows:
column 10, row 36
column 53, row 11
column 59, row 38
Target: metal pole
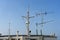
column 42, row 19
column 17, row 34
column 36, row 28
column 27, row 22
column 9, row 32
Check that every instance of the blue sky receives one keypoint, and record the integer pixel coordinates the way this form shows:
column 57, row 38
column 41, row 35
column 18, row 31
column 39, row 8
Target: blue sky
column 12, row 10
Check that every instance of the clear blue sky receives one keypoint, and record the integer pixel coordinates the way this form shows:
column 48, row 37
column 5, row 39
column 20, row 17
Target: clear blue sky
column 12, row 10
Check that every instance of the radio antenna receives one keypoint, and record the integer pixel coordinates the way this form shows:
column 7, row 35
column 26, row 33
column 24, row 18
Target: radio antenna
column 9, row 32
column 27, row 17
column 36, row 28
column 42, row 19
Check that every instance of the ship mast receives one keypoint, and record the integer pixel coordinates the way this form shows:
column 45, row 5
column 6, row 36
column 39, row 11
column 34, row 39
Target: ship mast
column 27, row 17
column 42, row 20
column 36, row 28
column 9, row 32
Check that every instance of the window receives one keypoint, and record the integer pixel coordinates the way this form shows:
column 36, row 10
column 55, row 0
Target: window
column 18, row 39
column 1, row 39
column 32, row 39
column 15, row 39
column 12, row 39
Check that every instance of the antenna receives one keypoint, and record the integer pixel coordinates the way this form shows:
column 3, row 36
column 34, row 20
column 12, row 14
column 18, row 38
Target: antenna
column 9, row 32
column 42, row 20
column 27, row 17
column 17, row 34
column 36, row 29
column 46, row 22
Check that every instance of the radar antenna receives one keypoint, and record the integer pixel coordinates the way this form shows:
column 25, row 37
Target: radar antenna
column 42, row 20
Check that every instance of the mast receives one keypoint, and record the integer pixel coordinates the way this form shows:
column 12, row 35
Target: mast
column 9, row 32
column 36, row 28
column 27, row 17
column 17, row 35
column 42, row 20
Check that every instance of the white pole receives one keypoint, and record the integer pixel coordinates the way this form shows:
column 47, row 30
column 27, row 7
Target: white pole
column 17, row 34
column 27, row 22
column 9, row 32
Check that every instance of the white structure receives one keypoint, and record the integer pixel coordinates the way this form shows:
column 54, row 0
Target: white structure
column 25, row 37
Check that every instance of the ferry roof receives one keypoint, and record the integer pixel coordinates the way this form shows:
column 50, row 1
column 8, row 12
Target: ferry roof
column 30, row 35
